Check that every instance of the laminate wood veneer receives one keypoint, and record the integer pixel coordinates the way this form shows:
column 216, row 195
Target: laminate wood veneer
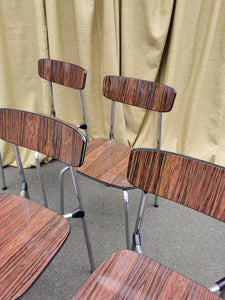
column 63, row 73
column 44, row 134
column 30, row 235
column 106, row 160
column 191, row 182
column 129, row 275
column 140, row 93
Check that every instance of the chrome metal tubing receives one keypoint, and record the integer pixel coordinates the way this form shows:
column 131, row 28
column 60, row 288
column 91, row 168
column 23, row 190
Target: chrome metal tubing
column 24, row 188
column 83, row 113
column 2, row 174
column 61, row 189
column 127, row 221
column 214, row 288
column 112, row 120
column 159, row 132
column 37, row 162
column 139, row 220
column 85, row 229
column 51, row 98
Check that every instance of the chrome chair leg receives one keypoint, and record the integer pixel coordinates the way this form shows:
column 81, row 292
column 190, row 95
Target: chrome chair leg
column 37, row 162
column 24, row 187
column 127, row 221
column 136, row 242
column 61, row 189
column 86, row 234
column 2, row 175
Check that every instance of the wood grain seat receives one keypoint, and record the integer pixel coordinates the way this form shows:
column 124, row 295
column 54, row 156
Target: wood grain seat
column 30, row 235
column 106, row 161
column 129, row 275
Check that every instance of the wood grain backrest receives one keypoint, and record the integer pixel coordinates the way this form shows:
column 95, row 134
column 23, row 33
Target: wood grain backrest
column 191, row 182
column 137, row 92
column 63, row 73
column 44, row 134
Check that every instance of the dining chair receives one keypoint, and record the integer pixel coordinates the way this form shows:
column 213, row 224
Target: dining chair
column 52, row 137
column 69, row 76
column 106, row 160
column 127, row 274
column 30, row 236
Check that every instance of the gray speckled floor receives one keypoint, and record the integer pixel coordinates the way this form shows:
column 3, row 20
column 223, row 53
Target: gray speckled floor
column 190, row 243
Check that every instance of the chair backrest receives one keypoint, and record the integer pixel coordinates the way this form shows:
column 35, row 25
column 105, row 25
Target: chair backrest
column 194, row 183
column 44, row 134
column 140, row 93
column 63, row 73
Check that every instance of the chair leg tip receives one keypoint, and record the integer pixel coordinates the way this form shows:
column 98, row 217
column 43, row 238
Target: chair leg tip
column 4, row 188
column 156, row 205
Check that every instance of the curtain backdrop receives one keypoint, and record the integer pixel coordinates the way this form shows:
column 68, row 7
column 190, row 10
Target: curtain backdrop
column 174, row 42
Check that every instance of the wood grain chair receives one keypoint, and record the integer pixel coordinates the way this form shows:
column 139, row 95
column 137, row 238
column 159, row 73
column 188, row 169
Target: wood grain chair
column 69, row 76
column 52, row 137
column 30, row 236
column 130, row 275
column 106, row 160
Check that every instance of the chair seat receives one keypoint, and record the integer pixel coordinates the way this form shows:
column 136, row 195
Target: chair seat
column 106, row 161
column 129, row 275
column 30, row 235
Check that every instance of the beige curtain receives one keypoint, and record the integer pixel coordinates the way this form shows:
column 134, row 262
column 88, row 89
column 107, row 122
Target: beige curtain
column 178, row 43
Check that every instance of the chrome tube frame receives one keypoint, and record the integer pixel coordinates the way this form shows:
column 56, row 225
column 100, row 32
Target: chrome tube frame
column 37, row 162
column 51, row 98
column 83, row 113
column 159, row 133
column 61, row 189
column 2, row 174
column 127, row 221
column 137, row 228
column 85, row 229
column 24, row 187
column 111, row 136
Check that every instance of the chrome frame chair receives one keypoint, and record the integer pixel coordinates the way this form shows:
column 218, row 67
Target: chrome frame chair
column 109, row 165
column 127, row 274
column 67, row 75
column 52, row 137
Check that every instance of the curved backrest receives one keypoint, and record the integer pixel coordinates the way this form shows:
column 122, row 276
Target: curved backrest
column 197, row 184
column 141, row 93
column 44, row 134
column 63, row 73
